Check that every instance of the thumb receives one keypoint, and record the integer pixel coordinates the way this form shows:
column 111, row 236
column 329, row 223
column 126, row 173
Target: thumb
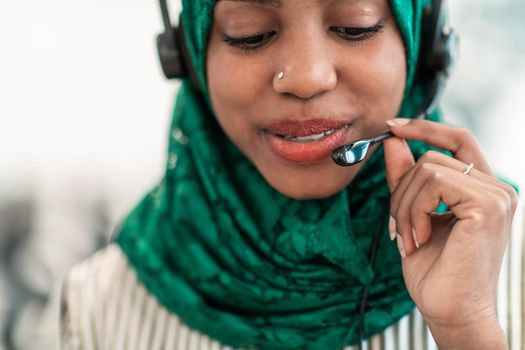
column 398, row 160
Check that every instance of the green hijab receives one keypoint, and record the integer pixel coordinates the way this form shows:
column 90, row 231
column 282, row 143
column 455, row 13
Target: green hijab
column 251, row 268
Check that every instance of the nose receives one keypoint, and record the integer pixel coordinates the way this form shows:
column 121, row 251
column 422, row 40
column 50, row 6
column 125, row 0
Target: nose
column 308, row 71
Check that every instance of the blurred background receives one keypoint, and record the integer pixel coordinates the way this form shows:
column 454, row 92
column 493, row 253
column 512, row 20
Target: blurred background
column 84, row 112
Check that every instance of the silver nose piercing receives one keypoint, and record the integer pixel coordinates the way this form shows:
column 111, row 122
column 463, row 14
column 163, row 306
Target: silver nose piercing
column 280, row 75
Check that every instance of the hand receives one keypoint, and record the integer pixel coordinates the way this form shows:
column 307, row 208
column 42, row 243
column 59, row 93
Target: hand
column 451, row 262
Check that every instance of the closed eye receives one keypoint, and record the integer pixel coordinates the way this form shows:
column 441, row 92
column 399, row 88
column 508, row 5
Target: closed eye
column 357, row 33
column 249, row 42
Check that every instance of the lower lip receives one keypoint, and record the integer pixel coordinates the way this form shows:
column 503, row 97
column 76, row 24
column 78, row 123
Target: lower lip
column 307, row 152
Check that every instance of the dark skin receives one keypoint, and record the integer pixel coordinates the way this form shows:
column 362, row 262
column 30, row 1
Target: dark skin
column 451, row 262
column 320, row 80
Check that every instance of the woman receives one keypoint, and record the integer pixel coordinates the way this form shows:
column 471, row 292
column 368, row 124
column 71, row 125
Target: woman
column 256, row 239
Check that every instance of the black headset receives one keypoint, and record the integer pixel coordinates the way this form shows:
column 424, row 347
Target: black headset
column 438, row 53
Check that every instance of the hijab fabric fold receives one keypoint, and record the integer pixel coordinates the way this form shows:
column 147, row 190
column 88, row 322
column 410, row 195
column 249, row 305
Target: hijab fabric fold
column 244, row 264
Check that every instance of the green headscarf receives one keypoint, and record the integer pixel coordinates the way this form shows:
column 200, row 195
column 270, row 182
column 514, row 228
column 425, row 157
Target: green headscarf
column 251, row 268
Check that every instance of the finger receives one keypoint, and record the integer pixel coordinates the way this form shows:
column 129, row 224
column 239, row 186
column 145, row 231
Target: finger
column 441, row 159
column 415, row 233
column 431, row 184
column 410, row 185
column 460, row 141
column 466, row 197
column 414, row 225
column 404, row 226
column 398, row 160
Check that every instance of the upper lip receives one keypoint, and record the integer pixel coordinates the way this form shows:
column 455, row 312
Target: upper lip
column 296, row 128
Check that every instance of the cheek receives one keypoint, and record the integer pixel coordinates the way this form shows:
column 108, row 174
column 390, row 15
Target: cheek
column 378, row 76
column 392, row 72
column 236, row 86
column 235, row 81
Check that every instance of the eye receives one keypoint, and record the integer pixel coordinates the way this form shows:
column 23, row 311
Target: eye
column 357, row 33
column 247, row 43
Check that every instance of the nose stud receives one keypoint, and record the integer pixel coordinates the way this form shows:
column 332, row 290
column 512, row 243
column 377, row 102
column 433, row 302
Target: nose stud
column 280, row 75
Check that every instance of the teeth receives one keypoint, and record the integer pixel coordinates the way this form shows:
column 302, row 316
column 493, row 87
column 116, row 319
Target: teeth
column 313, row 137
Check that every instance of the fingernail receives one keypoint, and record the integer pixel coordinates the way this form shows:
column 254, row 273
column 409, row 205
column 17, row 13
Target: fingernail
column 398, row 121
column 401, row 246
column 392, row 228
column 414, row 235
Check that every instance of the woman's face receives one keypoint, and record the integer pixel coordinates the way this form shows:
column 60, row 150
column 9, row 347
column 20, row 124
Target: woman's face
column 344, row 76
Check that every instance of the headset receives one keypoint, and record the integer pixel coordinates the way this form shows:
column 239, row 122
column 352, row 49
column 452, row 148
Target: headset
column 437, row 57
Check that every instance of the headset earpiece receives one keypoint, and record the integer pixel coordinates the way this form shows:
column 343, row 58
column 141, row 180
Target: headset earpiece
column 438, row 52
column 439, row 44
column 173, row 54
column 170, row 54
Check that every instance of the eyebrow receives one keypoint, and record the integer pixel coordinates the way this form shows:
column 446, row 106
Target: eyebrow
column 275, row 3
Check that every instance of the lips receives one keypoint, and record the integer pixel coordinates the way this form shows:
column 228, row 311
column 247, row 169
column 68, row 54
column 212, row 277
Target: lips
column 308, row 141
column 304, row 128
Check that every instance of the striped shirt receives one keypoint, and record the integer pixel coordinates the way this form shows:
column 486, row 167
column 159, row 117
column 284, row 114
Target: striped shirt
column 104, row 306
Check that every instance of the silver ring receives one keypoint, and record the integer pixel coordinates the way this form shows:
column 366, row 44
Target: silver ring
column 469, row 168
column 280, row 75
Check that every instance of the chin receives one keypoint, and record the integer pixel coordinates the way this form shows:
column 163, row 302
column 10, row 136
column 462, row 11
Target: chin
column 304, row 183
column 303, row 195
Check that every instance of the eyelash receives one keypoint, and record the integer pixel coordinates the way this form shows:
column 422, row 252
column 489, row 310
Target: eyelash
column 358, row 34
column 350, row 34
column 249, row 43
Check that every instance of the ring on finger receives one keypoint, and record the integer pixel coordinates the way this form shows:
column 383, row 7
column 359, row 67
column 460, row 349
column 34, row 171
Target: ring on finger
column 469, row 168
